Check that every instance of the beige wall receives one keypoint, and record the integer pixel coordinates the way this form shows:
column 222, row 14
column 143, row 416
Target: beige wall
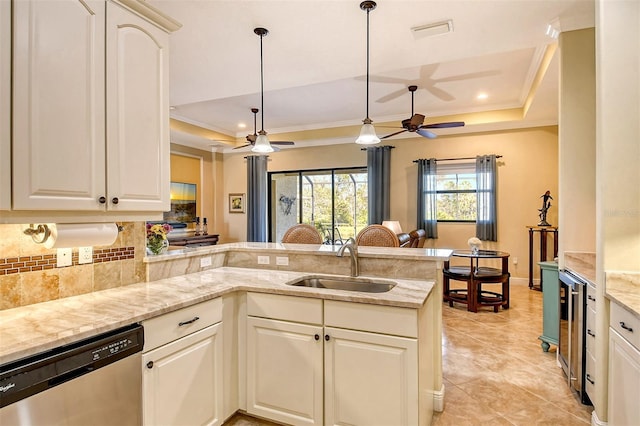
column 528, row 168
column 197, row 166
column 577, row 142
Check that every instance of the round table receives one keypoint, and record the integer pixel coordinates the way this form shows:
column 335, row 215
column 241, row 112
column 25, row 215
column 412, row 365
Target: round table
column 475, row 275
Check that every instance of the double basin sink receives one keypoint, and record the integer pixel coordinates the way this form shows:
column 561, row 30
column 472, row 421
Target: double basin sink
column 364, row 285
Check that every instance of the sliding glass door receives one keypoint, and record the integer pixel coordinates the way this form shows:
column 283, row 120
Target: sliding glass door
column 333, row 200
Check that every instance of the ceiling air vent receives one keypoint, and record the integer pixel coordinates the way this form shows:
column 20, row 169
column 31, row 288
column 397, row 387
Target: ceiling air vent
column 432, row 29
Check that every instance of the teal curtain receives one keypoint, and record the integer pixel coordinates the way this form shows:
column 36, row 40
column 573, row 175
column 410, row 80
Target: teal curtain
column 379, row 177
column 257, row 198
column 487, row 221
column 427, row 197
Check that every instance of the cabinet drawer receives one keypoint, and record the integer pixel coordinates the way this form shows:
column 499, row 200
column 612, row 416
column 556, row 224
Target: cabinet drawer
column 374, row 318
column 590, row 376
column 591, row 297
column 625, row 323
column 591, row 330
column 174, row 325
column 286, row 308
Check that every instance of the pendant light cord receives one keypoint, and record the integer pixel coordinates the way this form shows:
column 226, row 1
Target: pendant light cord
column 261, row 87
column 368, row 10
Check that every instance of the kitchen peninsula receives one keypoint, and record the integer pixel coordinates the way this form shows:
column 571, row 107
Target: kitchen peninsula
column 251, row 282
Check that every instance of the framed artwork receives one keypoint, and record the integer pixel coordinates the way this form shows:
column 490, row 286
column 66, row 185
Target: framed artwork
column 236, row 203
column 183, row 203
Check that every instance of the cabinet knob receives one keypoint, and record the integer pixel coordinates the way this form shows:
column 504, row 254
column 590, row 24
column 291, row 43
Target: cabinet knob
column 150, row 364
column 115, row 200
column 326, row 337
column 317, row 337
column 102, row 200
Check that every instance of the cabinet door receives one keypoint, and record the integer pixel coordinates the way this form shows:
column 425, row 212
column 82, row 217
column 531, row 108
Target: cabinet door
column 5, row 105
column 370, row 379
column 624, row 381
column 58, row 104
column 137, row 113
column 182, row 380
column 284, row 371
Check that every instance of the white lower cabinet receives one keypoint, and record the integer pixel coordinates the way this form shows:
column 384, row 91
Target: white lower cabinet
column 624, row 368
column 284, row 371
column 182, row 380
column 369, row 378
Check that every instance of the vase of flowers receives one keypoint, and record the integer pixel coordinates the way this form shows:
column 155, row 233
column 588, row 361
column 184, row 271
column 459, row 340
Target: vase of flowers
column 157, row 238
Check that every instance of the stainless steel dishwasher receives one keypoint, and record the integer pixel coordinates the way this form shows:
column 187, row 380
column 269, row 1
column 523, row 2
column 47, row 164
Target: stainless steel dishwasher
column 96, row 381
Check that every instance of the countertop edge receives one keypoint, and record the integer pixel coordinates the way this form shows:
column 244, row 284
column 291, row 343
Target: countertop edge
column 68, row 320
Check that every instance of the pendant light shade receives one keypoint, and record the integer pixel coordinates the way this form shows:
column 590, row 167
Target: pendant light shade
column 368, row 132
column 262, row 144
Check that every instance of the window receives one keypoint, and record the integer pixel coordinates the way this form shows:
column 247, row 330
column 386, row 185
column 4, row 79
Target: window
column 456, row 192
column 335, row 201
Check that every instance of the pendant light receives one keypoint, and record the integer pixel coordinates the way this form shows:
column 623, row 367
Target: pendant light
column 262, row 143
column 367, row 133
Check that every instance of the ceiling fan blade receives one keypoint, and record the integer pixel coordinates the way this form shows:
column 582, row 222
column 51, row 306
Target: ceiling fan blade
column 443, row 125
column 391, row 96
column 441, row 94
column 393, row 134
column 243, row 146
column 282, row 143
column 426, row 134
column 417, row 120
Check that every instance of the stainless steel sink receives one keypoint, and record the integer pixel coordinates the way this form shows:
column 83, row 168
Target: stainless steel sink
column 364, row 285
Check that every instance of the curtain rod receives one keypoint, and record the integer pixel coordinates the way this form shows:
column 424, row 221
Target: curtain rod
column 460, row 158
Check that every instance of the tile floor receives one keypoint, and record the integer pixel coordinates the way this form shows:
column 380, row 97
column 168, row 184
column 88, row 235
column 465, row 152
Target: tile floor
column 495, row 372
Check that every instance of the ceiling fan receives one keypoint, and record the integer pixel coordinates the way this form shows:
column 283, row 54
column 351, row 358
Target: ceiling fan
column 415, row 123
column 251, row 139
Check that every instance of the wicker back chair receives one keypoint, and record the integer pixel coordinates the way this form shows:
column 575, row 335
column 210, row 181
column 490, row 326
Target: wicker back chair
column 377, row 235
column 302, row 233
column 418, row 238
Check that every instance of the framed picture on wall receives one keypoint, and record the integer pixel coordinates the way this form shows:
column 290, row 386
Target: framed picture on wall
column 183, row 203
column 236, row 203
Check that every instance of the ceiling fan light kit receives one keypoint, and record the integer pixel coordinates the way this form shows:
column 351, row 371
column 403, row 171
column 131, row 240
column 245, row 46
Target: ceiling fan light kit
column 368, row 132
column 262, row 144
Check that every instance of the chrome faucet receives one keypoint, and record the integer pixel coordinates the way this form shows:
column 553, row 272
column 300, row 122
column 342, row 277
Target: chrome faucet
column 352, row 246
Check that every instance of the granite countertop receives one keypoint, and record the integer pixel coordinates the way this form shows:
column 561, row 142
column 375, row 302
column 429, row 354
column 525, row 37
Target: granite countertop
column 36, row 328
column 582, row 263
column 316, row 249
column 624, row 289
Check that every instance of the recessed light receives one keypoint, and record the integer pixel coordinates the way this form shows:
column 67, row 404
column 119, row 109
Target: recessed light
column 482, row 96
column 242, row 126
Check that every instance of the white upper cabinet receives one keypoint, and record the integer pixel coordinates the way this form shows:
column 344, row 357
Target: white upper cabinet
column 90, row 108
column 58, row 105
column 5, row 105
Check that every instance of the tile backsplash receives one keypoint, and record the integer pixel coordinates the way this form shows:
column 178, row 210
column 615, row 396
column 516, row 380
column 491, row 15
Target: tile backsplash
column 28, row 272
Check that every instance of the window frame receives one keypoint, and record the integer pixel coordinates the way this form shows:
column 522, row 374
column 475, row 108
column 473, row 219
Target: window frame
column 466, row 167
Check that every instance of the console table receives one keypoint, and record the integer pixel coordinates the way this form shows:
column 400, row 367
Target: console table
column 543, row 231
column 475, row 275
column 194, row 241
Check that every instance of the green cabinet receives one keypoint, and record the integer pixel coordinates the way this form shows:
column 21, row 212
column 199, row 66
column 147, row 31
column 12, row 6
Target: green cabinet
column 550, row 305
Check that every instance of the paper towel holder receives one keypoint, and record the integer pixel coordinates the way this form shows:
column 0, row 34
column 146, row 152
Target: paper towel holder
column 38, row 234
column 42, row 229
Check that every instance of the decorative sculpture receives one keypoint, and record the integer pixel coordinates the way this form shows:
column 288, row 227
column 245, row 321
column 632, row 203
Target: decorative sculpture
column 546, row 203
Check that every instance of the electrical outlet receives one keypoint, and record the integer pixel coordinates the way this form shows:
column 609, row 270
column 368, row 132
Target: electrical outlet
column 282, row 260
column 263, row 260
column 205, row 261
column 63, row 257
column 85, row 255
column 515, row 260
